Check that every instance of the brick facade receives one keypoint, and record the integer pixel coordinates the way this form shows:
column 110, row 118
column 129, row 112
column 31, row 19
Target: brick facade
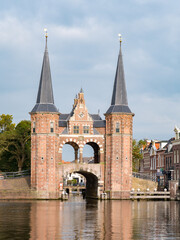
column 111, row 140
column 118, row 154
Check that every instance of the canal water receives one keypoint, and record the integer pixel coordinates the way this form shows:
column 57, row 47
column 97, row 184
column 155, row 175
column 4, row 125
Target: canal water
column 80, row 219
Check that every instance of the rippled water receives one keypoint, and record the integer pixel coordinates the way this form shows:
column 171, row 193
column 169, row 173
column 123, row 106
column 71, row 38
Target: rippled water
column 89, row 219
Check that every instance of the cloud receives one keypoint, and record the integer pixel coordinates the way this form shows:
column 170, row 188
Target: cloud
column 155, row 116
column 14, row 33
column 83, row 48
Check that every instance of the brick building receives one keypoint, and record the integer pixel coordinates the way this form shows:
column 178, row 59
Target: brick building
column 111, row 140
column 161, row 160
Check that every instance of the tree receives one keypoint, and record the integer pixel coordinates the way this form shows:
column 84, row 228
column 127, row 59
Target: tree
column 19, row 143
column 137, row 154
column 15, row 147
column 6, row 123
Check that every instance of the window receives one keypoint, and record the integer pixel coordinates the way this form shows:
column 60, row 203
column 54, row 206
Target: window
column 85, row 129
column 159, row 160
column 52, row 127
column 76, row 129
column 175, row 156
column 177, row 174
column 34, row 127
column 117, row 127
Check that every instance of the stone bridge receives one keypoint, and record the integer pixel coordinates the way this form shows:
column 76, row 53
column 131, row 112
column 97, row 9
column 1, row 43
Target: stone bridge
column 94, row 174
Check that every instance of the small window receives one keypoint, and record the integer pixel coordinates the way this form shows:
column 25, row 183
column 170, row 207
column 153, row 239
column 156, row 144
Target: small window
column 76, row 129
column 52, row 127
column 34, row 127
column 117, row 127
column 85, row 129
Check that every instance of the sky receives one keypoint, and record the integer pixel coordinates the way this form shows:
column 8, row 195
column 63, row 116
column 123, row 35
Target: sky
column 83, row 49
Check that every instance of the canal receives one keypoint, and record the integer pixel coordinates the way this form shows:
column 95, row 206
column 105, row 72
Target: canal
column 78, row 219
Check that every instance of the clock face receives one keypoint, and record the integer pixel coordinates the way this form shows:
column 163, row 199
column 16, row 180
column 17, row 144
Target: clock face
column 81, row 115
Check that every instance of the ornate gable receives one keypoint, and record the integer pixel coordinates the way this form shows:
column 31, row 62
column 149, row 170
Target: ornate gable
column 80, row 122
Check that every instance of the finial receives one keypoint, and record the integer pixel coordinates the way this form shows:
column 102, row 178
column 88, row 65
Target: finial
column 120, row 38
column 46, row 34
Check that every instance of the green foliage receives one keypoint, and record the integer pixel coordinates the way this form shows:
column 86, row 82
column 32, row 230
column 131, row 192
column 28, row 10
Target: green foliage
column 15, row 145
column 136, row 154
column 6, row 123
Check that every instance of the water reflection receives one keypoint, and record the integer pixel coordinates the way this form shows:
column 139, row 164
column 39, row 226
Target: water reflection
column 156, row 220
column 91, row 219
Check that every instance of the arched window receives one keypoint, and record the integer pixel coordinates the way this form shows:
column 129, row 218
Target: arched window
column 117, row 127
column 34, row 127
column 51, row 127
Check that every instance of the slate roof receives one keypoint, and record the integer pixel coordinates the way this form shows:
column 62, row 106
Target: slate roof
column 118, row 108
column 41, row 107
column 45, row 98
column 95, row 116
column 97, row 120
column 119, row 102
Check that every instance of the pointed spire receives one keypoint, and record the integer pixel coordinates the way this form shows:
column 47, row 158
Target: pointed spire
column 45, row 98
column 81, row 91
column 119, row 102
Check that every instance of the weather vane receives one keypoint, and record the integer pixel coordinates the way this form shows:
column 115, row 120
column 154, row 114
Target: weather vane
column 120, row 38
column 46, row 34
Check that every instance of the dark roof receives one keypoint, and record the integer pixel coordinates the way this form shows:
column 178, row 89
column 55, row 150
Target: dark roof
column 119, row 102
column 44, row 108
column 97, row 120
column 118, row 108
column 62, row 123
column 45, row 98
column 63, row 116
column 169, row 143
column 95, row 117
column 99, row 124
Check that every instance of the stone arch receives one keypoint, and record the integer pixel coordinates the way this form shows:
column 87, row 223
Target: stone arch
column 96, row 149
column 75, row 147
column 94, row 177
column 91, row 183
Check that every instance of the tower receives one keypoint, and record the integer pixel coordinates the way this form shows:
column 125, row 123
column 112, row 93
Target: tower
column 44, row 125
column 119, row 124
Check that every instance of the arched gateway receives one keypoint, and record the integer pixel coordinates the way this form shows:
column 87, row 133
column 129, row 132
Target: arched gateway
column 111, row 140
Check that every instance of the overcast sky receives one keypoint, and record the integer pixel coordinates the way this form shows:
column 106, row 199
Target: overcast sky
column 83, row 48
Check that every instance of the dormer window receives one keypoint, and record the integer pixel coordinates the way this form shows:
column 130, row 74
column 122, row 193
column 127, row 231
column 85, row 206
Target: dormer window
column 51, row 127
column 76, row 129
column 34, row 127
column 117, row 127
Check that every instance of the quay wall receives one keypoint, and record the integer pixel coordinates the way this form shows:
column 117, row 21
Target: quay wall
column 22, row 183
column 19, row 188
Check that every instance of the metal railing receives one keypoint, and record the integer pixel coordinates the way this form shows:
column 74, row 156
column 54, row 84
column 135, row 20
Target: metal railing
column 144, row 176
column 5, row 175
